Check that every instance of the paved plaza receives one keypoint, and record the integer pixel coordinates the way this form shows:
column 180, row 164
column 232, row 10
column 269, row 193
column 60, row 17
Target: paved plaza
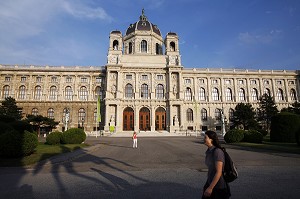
column 161, row 167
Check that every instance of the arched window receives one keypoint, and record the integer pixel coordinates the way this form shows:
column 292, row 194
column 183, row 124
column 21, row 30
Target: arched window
column 254, row 94
column 242, row 94
column 215, row 94
column 158, row 49
column 189, row 115
column 217, row 114
column 130, row 48
column 37, row 92
column 279, row 95
column 267, row 91
column 172, row 46
column 228, row 94
column 144, row 91
column 115, row 45
column 128, row 91
column 204, row 114
column 34, row 111
column 202, row 94
column 293, row 95
column 6, row 93
column 144, row 46
column 188, row 94
column 22, row 92
column 160, row 92
column 50, row 113
column 83, row 93
column 231, row 114
column 98, row 93
column 68, row 93
column 81, row 115
column 53, row 93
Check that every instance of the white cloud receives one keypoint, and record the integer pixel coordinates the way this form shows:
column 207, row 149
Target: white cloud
column 265, row 38
column 83, row 11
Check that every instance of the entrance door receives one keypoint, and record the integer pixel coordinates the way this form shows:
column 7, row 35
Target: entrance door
column 160, row 119
column 145, row 119
column 128, row 121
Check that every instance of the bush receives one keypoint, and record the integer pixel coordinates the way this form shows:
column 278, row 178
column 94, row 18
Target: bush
column 234, row 135
column 262, row 131
column 21, row 126
column 54, row 138
column 30, row 142
column 73, row 136
column 284, row 127
column 14, row 144
column 4, row 127
column 253, row 136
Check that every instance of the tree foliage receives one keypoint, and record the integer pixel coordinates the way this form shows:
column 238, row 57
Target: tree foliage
column 9, row 110
column 244, row 115
column 267, row 109
column 38, row 121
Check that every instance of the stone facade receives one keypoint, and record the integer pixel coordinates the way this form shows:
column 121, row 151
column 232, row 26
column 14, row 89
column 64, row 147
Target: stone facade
column 143, row 88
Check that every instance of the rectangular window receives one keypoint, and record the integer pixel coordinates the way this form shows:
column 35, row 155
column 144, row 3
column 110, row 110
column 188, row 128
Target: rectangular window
column 23, row 79
column 38, row 79
column 68, row 79
column 201, row 81
column 53, row 79
column 144, row 77
column 7, row 79
column 84, row 80
column 187, row 81
column 253, row 82
column 160, row 77
column 215, row 81
column 227, row 81
column 241, row 81
column 266, row 82
column 279, row 82
column 129, row 77
column 98, row 80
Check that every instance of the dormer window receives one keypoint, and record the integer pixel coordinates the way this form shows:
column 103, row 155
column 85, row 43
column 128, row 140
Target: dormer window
column 144, row 46
column 172, row 46
column 115, row 45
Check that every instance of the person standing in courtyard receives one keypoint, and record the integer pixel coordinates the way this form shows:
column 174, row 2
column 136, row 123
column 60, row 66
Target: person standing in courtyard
column 215, row 186
column 134, row 139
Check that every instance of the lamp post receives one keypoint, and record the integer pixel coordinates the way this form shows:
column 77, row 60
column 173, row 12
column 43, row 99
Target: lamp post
column 82, row 121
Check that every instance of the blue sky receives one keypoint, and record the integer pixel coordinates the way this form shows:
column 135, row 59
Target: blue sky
column 251, row 34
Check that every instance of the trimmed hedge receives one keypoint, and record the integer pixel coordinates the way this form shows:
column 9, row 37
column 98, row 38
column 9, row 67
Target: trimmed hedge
column 253, row 136
column 73, row 136
column 54, row 138
column 284, row 127
column 14, row 144
column 234, row 135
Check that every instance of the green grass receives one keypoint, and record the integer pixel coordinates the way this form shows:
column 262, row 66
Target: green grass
column 267, row 145
column 43, row 151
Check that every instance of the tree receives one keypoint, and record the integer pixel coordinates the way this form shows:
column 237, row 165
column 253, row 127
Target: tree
column 9, row 110
column 267, row 109
column 38, row 121
column 244, row 115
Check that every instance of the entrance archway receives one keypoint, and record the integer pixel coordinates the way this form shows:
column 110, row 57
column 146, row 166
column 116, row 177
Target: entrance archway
column 128, row 119
column 160, row 119
column 144, row 117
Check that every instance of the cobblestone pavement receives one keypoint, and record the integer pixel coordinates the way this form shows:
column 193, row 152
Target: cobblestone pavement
column 161, row 167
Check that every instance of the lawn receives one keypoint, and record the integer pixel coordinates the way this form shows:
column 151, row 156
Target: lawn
column 43, row 151
column 272, row 146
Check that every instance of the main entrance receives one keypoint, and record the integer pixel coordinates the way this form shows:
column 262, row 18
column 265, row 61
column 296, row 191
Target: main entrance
column 144, row 119
column 160, row 119
column 128, row 121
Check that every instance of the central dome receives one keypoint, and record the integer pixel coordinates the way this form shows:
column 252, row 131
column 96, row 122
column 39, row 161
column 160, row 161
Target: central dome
column 143, row 25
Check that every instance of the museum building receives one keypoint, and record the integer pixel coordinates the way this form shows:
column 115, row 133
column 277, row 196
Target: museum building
column 142, row 87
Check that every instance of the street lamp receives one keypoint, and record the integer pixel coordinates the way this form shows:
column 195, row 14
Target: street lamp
column 82, row 121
